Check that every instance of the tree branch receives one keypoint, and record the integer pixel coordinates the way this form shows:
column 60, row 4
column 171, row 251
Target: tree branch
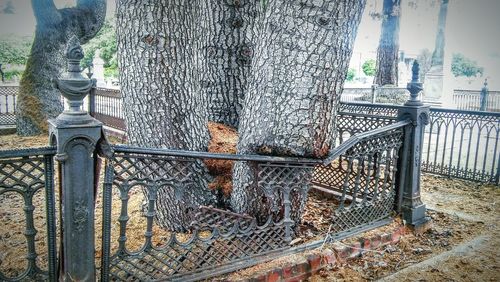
column 46, row 12
column 96, row 5
column 89, row 15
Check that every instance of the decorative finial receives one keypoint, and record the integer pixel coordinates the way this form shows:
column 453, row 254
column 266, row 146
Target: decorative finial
column 74, row 50
column 415, row 86
column 415, row 70
column 74, row 54
column 485, row 83
column 73, row 85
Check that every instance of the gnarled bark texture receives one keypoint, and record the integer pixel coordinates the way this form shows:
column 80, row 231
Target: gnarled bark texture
column 38, row 98
column 158, row 56
column 227, row 51
column 388, row 47
column 300, row 64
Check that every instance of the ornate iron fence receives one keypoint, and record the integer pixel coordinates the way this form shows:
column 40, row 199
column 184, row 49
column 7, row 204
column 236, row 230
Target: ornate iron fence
column 470, row 100
column 375, row 94
column 473, row 157
column 23, row 175
column 363, row 179
column 8, row 96
column 463, row 144
column 106, row 106
column 354, row 94
column 359, row 178
column 217, row 239
column 457, row 143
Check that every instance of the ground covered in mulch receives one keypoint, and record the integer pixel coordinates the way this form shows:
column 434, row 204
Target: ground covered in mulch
column 223, row 139
column 462, row 245
column 447, row 232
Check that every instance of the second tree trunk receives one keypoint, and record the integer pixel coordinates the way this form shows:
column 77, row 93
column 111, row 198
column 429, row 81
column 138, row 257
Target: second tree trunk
column 301, row 59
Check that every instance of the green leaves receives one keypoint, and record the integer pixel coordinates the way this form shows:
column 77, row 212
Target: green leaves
column 369, row 67
column 15, row 50
column 462, row 66
column 351, row 74
column 105, row 42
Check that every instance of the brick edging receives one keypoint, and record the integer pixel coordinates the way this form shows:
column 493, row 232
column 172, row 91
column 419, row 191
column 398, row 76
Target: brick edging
column 315, row 262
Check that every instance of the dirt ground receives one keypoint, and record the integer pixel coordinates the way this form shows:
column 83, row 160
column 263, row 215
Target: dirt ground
column 462, row 245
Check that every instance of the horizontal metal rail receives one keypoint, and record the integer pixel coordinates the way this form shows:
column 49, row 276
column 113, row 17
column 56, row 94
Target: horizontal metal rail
column 27, row 152
column 220, row 156
column 356, row 138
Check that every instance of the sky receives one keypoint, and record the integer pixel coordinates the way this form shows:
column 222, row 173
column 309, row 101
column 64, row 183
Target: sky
column 472, row 28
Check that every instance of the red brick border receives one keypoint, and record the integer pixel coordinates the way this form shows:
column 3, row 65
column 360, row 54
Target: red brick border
column 315, row 262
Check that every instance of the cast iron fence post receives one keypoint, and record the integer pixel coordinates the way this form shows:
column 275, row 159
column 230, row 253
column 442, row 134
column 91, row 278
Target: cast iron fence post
column 374, row 93
column 75, row 134
column 92, row 94
column 409, row 201
column 483, row 99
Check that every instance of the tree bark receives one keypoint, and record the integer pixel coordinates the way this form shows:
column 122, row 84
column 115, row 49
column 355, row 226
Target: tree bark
column 228, row 31
column 388, row 48
column 300, row 65
column 438, row 54
column 158, row 50
column 38, row 98
column 433, row 86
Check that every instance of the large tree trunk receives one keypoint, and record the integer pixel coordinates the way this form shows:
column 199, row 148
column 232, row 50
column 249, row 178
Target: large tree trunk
column 38, row 98
column 228, row 30
column 301, row 61
column 438, row 54
column 433, row 86
column 158, row 55
column 388, row 47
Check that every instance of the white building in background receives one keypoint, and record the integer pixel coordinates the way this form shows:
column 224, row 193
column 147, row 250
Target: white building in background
column 99, row 69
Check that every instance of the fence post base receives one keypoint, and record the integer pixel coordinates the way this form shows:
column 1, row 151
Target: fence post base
column 414, row 215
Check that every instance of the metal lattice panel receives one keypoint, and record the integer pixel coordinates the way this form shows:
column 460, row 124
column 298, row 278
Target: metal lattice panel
column 198, row 254
column 136, row 168
column 216, row 237
column 334, row 177
column 357, row 124
column 24, row 173
column 209, row 218
column 278, row 179
column 9, row 90
column 363, row 180
column 7, row 119
column 357, row 118
column 359, row 214
column 369, row 109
